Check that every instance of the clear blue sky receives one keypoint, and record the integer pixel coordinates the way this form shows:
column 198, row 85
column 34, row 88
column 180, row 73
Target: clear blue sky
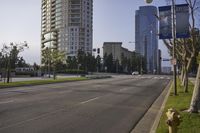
column 113, row 21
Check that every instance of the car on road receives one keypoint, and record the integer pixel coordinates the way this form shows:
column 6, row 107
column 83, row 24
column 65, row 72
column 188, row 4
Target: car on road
column 135, row 73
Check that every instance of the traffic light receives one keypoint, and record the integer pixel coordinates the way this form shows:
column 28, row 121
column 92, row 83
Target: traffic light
column 94, row 50
column 98, row 50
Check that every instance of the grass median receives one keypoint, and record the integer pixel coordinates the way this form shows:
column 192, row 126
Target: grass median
column 40, row 82
column 190, row 122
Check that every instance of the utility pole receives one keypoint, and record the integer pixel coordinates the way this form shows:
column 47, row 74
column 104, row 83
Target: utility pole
column 174, row 46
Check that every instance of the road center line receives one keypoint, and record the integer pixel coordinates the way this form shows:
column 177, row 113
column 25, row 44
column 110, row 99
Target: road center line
column 89, row 100
column 123, row 89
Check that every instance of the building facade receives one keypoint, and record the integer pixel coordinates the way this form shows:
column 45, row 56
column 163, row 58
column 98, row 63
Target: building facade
column 146, row 39
column 116, row 49
column 67, row 25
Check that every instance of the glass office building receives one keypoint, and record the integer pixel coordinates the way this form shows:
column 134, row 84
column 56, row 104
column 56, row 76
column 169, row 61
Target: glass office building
column 146, row 36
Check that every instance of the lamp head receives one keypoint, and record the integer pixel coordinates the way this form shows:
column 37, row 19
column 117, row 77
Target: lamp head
column 148, row 1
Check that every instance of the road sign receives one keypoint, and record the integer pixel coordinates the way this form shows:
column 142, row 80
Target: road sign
column 166, row 60
column 173, row 61
column 165, row 22
column 182, row 21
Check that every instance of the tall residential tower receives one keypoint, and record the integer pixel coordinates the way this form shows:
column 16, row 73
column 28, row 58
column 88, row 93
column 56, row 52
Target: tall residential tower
column 146, row 40
column 67, row 25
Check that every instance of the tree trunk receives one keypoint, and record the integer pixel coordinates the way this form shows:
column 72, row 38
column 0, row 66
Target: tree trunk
column 8, row 70
column 186, row 82
column 182, row 73
column 196, row 94
column 54, row 73
column 183, row 80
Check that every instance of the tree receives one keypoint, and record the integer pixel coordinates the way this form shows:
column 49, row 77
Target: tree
column 82, row 60
column 57, row 58
column 196, row 94
column 21, row 62
column 138, row 63
column 98, row 59
column 46, row 59
column 52, row 57
column 124, row 62
column 86, row 61
column 71, row 62
column 91, row 62
column 2, row 61
column 10, row 56
column 36, row 67
column 108, row 62
column 186, row 49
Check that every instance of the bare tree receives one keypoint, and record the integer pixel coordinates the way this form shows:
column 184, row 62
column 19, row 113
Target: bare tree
column 186, row 49
column 194, row 9
column 10, row 53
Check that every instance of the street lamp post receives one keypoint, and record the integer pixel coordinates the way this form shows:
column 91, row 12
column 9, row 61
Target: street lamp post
column 174, row 37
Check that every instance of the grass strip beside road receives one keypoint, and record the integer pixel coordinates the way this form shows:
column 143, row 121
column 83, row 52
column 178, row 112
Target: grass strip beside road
column 40, row 82
column 190, row 122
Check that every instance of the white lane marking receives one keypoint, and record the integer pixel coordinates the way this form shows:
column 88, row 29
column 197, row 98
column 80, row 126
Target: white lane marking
column 89, row 100
column 124, row 89
column 4, row 102
column 64, row 92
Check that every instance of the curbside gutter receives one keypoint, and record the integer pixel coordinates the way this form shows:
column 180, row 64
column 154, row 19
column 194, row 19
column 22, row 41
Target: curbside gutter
column 145, row 125
column 157, row 120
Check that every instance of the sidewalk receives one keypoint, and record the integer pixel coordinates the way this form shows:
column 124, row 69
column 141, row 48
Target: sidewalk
column 150, row 121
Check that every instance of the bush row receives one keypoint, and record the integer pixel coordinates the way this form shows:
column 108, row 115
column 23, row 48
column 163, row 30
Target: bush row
column 72, row 71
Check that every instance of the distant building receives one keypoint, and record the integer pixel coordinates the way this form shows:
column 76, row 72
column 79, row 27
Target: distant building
column 67, row 25
column 146, row 40
column 116, row 49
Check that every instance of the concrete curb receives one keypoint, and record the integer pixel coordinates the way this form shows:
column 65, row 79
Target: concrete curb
column 157, row 120
column 145, row 125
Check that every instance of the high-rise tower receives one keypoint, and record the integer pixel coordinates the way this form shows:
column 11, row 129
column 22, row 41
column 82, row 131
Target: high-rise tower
column 146, row 39
column 67, row 25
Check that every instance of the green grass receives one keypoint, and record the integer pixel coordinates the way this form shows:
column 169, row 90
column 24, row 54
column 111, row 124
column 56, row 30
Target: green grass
column 190, row 122
column 40, row 82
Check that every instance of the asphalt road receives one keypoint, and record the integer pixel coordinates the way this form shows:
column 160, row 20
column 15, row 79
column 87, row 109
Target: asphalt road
column 96, row 106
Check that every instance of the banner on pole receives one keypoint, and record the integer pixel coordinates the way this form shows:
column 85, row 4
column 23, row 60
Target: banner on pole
column 165, row 27
column 182, row 21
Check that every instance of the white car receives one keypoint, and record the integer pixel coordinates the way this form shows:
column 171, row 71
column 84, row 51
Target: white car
column 135, row 73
